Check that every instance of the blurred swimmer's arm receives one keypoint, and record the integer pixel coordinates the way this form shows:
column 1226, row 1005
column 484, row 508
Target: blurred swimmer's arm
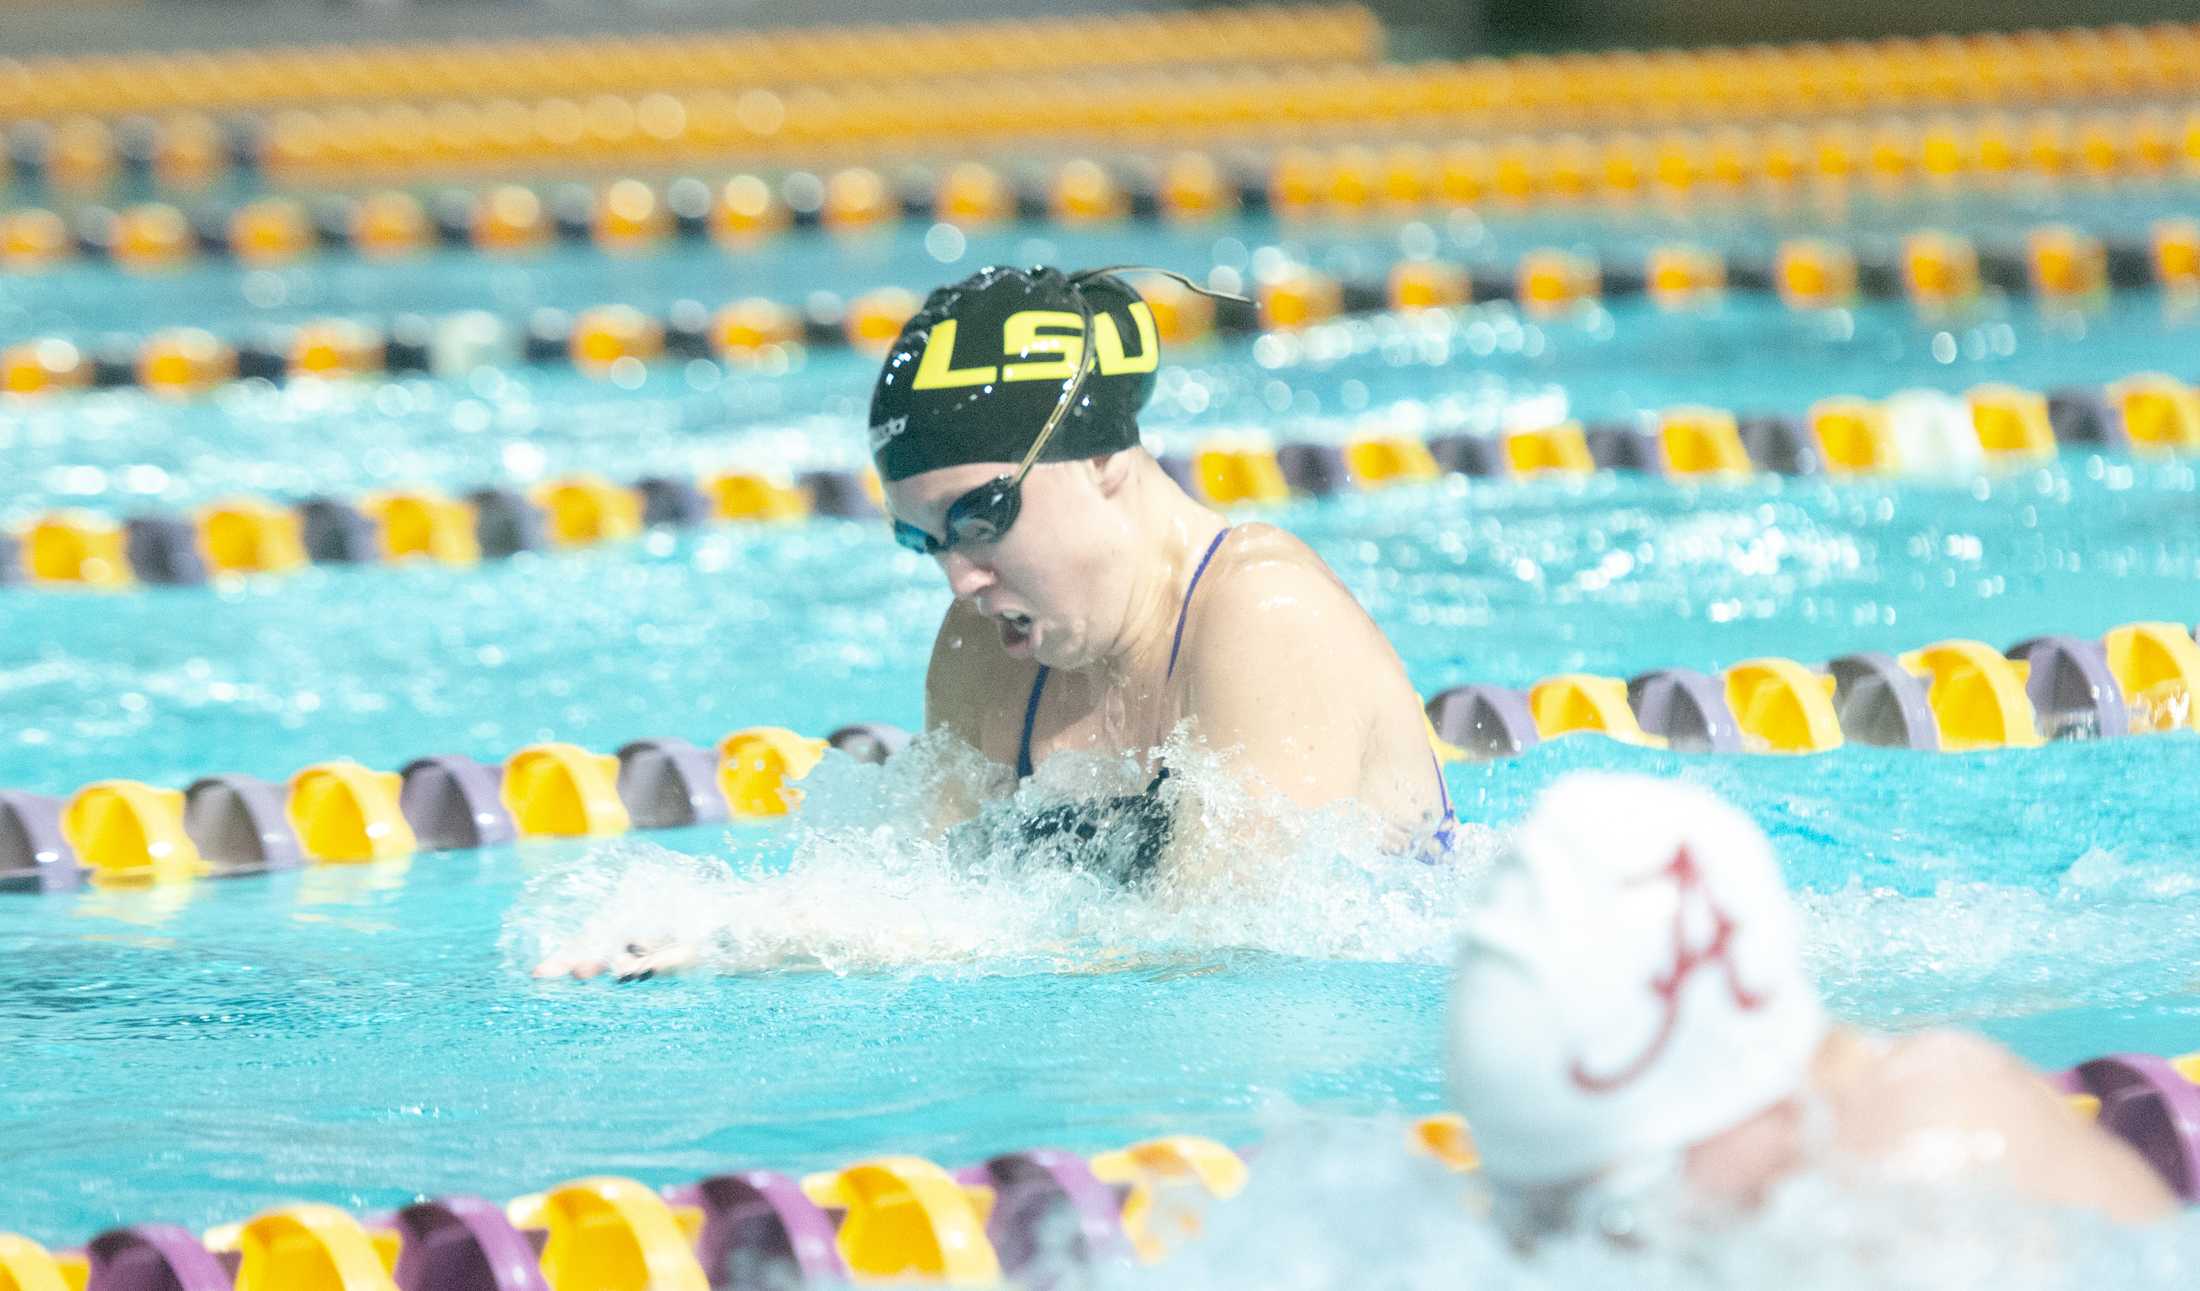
column 966, row 673
column 954, row 683
column 1942, row 1101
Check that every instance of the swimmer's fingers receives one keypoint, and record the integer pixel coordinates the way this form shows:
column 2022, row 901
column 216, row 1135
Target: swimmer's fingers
column 576, row 966
column 638, row 965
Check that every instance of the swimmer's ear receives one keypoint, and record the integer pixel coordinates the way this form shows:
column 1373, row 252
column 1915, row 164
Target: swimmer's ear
column 1112, row 471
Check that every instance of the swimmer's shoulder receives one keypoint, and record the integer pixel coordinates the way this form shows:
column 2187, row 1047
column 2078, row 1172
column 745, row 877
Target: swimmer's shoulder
column 1278, row 626
column 1915, row 1099
column 1271, row 597
column 1263, row 573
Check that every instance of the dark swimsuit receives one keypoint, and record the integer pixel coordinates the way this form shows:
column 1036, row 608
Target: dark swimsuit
column 1133, row 830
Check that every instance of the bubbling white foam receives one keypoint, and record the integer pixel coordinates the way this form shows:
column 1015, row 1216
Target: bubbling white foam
column 874, row 882
column 1335, row 1203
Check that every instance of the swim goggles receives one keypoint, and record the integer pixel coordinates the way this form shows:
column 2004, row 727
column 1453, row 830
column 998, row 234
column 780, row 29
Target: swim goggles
column 985, row 513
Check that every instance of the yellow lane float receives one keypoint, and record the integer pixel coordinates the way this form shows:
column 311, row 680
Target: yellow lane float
column 1180, row 316
column 77, row 547
column 1377, row 460
column 307, row 1248
column 2176, row 245
column 1445, row 1136
column 974, row 195
column 1300, row 298
column 856, row 201
column 2066, row 265
column 1976, row 694
column 1084, row 192
column 756, row 766
column 2159, row 413
column 585, row 509
column 335, row 347
column 42, row 367
column 184, row 361
column 33, row 239
column 1575, row 702
column 747, row 495
column 1428, row 284
column 270, row 232
column 1682, row 277
column 744, row 331
column 1227, row 475
column 1814, row 274
column 564, row 791
column 1784, row 705
column 1152, row 1171
column 612, row 1234
column 1193, row 189
column 390, row 225
column 27, row 1266
column 630, row 218
column 423, row 524
column 604, row 338
column 746, row 213
column 2012, row 424
column 343, row 811
column 1552, row 450
column 1939, row 270
column 153, row 237
column 876, row 318
column 251, row 536
column 2158, row 667
column 905, row 1217
column 1553, row 282
column 126, row 831
column 510, row 220
column 1696, row 441
column 1854, row 436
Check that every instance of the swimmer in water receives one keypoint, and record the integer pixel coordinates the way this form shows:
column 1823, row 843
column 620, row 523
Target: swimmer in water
column 1098, row 606
column 1638, row 1050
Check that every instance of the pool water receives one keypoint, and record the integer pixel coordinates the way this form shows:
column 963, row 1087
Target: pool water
column 363, row 1034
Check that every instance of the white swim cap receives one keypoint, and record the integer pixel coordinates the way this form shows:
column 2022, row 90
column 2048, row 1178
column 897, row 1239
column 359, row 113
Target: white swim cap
column 1631, row 983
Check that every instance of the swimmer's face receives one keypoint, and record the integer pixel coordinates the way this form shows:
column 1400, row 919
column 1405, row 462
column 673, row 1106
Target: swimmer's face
column 1044, row 581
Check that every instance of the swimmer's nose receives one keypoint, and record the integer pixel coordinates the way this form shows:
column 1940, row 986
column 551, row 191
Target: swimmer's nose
column 965, row 577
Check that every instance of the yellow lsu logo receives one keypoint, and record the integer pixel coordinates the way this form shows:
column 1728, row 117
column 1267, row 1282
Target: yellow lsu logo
column 1054, row 332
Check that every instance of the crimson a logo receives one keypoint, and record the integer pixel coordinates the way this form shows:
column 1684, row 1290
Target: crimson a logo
column 1688, row 960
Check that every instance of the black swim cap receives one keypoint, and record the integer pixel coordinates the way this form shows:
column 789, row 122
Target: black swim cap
column 977, row 371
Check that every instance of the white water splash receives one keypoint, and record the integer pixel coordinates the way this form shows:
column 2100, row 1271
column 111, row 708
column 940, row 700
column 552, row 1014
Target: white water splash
column 873, row 883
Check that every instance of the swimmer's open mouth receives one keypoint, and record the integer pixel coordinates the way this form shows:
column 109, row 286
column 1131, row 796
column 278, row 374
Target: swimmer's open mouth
column 1015, row 630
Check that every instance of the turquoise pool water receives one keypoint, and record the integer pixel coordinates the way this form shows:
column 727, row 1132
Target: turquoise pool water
column 359, row 1034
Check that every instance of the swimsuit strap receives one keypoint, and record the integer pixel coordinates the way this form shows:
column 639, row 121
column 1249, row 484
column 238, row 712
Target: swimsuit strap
column 1031, row 719
column 1039, row 683
column 1447, row 834
column 1184, row 610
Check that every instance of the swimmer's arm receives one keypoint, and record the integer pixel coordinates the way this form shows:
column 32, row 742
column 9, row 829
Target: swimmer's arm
column 954, row 682
column 967, row 666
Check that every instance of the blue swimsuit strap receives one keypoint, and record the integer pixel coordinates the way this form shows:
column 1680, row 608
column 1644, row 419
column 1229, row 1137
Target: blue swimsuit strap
column 1039, row 683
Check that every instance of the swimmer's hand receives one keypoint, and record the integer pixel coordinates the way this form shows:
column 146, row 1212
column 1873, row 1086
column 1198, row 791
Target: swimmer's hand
column 637, row 963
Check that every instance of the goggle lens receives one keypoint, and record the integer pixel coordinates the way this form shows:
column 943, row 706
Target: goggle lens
column 982, row 515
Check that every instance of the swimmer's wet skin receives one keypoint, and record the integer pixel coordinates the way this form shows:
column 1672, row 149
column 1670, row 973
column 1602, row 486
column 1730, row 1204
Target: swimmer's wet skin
column 1639, row 1050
